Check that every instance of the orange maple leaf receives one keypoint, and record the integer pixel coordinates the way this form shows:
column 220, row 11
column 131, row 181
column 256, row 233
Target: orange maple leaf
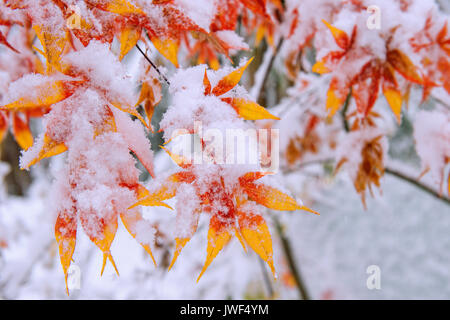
column 231, row 209
column 365, row 84
column 245, row 108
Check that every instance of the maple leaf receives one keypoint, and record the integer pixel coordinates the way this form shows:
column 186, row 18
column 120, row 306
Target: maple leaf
column 19, row 123
column 245, row 108
column 168, row 48
column 165, row 37
column 205, row 53
column 63, row 92
column 369, row 169
column 308, row 142
column 54, row 89
column 65, row 234
column 18, row 118
column 256, row 6
column 150, row 94
column 340, row 37
column 265, row 30
column 208, row 45
column 55, row 44
column 365, row 84
column 128, row 38
column 45, row 93
column 21, row 132
column 435, row 48
column 105, row 19
column 3, row 125
column 230, row 211
column 226, row 16
column 100, row 228
column 261, row 21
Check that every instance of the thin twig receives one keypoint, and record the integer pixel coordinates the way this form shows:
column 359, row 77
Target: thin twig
column 291, row 261
column 285, row 242
column 267, row 73
column 393, row 172
column 153, row 65
column 442, row 102
column 266, row 277
column 344, row 111
column 387, row 170
column 418, row 184
column 290, row 170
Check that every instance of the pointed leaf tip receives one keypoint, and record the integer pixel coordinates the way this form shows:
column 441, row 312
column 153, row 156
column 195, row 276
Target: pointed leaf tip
column 179, row 245
column 206, row 83
column 218, row 237
column 231, row 80
column 339, row 35
column 256, row 234
column 249, row 110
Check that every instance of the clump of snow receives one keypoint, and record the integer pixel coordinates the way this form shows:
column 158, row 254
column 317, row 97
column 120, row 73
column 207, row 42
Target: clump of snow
column 134, row 135
column 188, row 211
column 189, row 103
column 104, row 71
column 101, row 177
column 145, row 232
column 34, row 86
column 232, row 39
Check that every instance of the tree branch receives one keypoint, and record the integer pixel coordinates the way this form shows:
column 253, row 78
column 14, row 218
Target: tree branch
column 260, row 95
column 270, row 291
column 291, row 261
column 391, row 171
column 344, row 111
column 306, row 164
column 418, row 184
column 285, row 242
column 153, row 65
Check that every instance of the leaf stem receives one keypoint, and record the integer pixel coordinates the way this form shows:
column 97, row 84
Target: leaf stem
column 303, row 292
column 261, row 93
column 153, row 65
column 266, row 277
column 418, row 184
column 344, row 111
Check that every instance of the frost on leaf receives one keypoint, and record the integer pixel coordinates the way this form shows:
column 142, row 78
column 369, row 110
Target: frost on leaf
column 87, row 120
